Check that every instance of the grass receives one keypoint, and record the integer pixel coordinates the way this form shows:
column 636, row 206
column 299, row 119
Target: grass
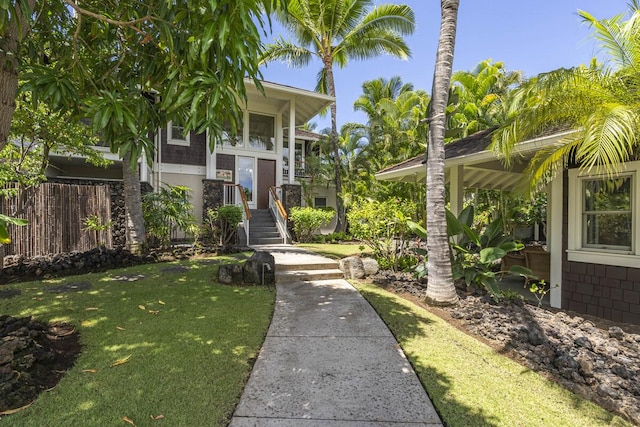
column 335, row 250
column 471, row 384
column 188, row 342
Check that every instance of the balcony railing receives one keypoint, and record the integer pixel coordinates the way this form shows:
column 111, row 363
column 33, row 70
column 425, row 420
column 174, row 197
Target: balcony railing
column 301, row 170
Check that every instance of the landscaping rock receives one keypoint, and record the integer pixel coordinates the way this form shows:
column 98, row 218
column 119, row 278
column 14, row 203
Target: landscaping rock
column 260, row 269
column 230, row 273
column 352, row 267
column 371, row 266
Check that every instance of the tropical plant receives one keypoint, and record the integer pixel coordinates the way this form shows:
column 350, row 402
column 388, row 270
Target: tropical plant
column 478, row 98
column 335, row 31
column 440, row 288
column 94, row 223
column 223, row 223
column 600, row 103
column 307, row 221
column 167, row 211
column 474, row 253
column 382, row 226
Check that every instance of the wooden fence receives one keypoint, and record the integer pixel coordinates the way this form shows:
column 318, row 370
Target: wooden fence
column 56, row 213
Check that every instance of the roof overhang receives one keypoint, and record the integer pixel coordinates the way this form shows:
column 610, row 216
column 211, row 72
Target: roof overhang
column 307, row 103
column 483, row 169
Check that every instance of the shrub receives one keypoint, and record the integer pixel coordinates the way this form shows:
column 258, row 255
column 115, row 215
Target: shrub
column 307, row 221
column 223, row 223
column 382, row 226
column 166, row 211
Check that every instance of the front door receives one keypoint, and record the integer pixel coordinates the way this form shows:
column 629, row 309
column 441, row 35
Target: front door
column 266, row 179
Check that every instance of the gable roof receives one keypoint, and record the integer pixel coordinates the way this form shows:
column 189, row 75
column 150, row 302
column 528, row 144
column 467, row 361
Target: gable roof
column 482, row 167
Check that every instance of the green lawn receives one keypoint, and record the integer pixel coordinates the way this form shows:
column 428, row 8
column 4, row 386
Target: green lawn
column 471, row 384
column 190, row 345
column 333, row 250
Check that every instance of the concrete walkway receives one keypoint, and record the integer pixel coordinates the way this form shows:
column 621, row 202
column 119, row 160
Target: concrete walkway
column 329, row 360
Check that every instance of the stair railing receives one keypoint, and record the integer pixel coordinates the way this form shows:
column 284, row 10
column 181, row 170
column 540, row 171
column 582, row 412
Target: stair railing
column 234, row 195
column 279, row 213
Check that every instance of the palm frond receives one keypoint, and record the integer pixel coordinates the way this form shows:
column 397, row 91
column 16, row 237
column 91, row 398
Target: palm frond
column 287, row 52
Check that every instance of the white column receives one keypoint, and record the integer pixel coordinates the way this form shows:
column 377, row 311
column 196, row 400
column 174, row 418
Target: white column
column 292, row 140
column 456, row 189
column 144, row 168
column 211, row 160
column 554, row 237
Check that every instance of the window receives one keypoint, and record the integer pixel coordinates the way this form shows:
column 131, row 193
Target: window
column 606, row 213
column 261, row 132
column 602, row 218
column 320, row 202
column 231, row 138
column 176, row 134
column 245, row 176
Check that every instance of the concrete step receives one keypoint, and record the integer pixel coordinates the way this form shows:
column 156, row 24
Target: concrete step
column 264, row 234
column 306, row 275
column 263, row 227
column 265, row 241
column 328, row 265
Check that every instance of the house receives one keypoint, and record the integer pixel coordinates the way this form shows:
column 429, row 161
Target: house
column 593, row 234
column 249, row 168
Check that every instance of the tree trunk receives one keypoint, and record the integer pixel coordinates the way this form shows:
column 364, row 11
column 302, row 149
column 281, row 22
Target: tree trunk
column 134, row 222
column 341, row 224
column 440, row 288
column 16, row 31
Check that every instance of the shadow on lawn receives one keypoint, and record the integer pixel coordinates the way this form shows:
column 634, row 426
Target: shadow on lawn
column 405, row 325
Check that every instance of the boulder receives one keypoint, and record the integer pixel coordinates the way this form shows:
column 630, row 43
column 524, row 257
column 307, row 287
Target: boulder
column 371, row 266
column 352, row 267
column 260, row 269
column 230, row 273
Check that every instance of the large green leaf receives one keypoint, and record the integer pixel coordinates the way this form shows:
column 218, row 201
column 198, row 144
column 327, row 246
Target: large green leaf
column 489, row 255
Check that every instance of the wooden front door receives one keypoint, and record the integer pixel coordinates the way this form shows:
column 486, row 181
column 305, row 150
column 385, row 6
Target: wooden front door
column 266, row 179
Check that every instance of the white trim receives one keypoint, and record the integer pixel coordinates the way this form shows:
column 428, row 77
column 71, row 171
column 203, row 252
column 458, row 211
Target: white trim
column 575, row 250
column 185, row 141
column 555, row 199
column 184, row 169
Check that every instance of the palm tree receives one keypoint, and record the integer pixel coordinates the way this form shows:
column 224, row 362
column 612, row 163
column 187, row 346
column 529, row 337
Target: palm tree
column 335, row 31
column 478, row 97
column 601, row 103
column 440, row 288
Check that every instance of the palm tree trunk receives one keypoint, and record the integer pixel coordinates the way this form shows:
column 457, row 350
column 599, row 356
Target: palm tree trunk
column 134, row 222
column 341, row 224
column 440, row 288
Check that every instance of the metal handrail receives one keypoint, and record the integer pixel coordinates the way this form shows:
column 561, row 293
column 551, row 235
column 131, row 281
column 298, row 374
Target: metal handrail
column 279, row 213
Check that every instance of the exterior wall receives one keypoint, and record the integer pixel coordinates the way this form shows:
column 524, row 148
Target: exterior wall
column 194, row 154
column 330, row 194
column 194, row 182
column 606, row 291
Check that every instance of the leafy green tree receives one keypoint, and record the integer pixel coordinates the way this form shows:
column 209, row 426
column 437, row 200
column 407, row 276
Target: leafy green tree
column 440, row 288
column 478, row 98
column 600, row 103
column 168, row 210
column 336, row 31
column 132, row 66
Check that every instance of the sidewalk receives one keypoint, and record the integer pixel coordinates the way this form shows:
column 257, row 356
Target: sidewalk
column 329, row 360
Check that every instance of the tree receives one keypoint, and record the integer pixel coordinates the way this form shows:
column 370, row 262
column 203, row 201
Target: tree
column 440, row 287
column 131, row 66
column 335, row 31
column 478, row 97
column 600, row 103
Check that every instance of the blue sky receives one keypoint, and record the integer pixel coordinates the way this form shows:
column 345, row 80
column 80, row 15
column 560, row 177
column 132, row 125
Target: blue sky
column 530, row 36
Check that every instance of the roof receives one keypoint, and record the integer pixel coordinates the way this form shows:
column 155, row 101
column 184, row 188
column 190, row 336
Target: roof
column 307, row 135
column 307, row 103
column 482, row 167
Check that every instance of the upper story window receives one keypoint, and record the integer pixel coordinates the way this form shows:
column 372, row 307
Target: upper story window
column 176, row 134
column 262, row 135
column 607, row 214
column 231, row 138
